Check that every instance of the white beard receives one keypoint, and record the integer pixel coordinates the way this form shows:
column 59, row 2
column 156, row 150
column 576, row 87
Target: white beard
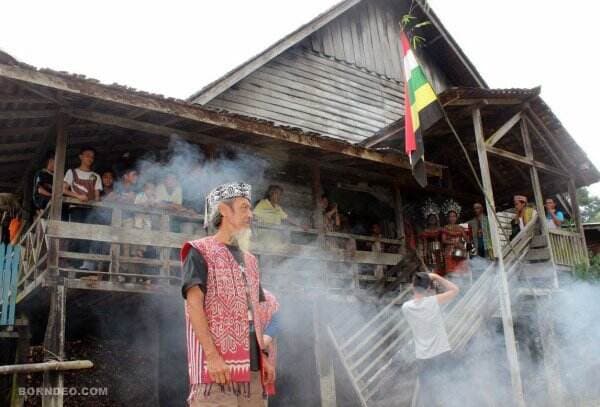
column 242, row 239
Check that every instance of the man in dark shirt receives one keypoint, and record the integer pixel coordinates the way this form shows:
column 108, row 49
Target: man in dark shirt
column 220, row 349
column 42, row 184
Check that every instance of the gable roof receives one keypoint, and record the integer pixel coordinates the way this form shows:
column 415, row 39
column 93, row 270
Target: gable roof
column 450, row 52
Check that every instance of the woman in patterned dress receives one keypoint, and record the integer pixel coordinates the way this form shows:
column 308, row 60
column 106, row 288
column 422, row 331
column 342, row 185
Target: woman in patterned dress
column 454, row 237
column 430, row 245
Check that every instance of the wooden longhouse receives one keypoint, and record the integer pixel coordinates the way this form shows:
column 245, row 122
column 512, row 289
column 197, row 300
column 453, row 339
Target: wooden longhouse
column 323, row 108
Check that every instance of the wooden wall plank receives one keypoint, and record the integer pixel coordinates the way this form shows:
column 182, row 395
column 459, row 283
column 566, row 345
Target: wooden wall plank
column 378, row 54
column 351, row 116
column 357, row 45
column 347, row 38
column 338, row 42
column 316, row 96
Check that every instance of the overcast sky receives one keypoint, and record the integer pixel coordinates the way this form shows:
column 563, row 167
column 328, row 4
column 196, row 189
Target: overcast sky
column 175, row 47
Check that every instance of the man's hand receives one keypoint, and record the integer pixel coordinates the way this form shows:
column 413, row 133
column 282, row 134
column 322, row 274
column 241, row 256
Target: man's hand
column 268, row 371
column 218, row 370
column 82, row 197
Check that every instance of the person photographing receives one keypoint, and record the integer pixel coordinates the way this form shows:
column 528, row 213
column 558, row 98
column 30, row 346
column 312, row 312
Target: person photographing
column 432, row 347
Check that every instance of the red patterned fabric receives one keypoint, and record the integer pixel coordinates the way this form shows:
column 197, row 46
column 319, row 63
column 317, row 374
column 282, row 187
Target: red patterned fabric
column 455, row 234
column 226, row 311
column 266, row 310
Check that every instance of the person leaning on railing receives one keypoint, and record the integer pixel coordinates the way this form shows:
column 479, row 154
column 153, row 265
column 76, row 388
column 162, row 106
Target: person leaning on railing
column 268, row 211
column 523, row 215
column 554, row 217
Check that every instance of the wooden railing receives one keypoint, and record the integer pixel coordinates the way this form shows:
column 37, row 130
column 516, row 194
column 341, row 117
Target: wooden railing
column 34, row 259
column 568, row 248
column 124, row 255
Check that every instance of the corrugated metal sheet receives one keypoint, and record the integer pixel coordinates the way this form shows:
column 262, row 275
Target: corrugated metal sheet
column 307, row 90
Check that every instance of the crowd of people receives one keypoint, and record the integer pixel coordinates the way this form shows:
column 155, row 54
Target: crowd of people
column 444, row 249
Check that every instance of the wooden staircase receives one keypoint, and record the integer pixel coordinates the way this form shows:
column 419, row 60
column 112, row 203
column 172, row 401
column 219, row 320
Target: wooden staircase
column 378, row 354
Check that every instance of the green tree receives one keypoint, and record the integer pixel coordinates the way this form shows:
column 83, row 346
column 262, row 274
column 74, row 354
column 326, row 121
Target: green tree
column 589, row 204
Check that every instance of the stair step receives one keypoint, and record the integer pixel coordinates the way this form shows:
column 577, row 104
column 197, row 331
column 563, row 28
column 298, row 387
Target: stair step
column 538, row 270
column 539, row 241
column 538, row 292
column 538, row 254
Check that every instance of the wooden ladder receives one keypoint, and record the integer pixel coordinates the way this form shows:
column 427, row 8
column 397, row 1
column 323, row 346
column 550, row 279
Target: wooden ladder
column 379, row 357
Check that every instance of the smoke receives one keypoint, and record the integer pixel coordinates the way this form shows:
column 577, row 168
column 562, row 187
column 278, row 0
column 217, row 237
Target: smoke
column 479, row 375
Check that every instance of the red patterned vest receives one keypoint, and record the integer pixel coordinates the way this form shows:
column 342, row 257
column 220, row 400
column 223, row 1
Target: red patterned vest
column 266, row 310
column 226, row 309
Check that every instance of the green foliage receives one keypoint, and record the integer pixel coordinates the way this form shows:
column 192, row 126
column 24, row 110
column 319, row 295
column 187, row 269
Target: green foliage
column 589, row 204
column 591, row 273
column 412, row 27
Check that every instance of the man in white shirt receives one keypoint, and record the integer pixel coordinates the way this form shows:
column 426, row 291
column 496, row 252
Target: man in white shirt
column 432, row 347
column 84, row 185
column 169, row 191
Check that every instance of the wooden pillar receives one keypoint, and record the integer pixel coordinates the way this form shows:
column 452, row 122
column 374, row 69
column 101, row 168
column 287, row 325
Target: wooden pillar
column 539, row 198
column 398, row 214
column 316, row 184
column 577, row 216
column 323, row 357
column 23, row 343
column 54, row 338
column 505, row 304
column 60, row 156
column 54, row 346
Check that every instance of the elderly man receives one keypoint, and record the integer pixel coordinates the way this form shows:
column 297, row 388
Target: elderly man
column 221, row 288
column 480, row 227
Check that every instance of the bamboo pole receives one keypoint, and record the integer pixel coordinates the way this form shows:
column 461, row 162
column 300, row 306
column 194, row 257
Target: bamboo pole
column 46, row 367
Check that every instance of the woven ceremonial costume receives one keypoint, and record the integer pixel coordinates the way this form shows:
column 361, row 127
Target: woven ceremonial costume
column 265, row 311
column 226, row 308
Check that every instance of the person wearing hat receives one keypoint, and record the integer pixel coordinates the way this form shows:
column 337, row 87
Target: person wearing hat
column 523, row 215
column 227, row 359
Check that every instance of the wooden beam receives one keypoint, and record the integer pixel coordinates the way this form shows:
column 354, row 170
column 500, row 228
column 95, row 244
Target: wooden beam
column 503, row 130
column 525, row 160
column 18, row 146
column 23, row 131
column 16, row 158
column 194, row 137
column 22, row 99
column 565, row 204
column 26, row 114
column 538, row 195
column 387, row 133
column 197, row 113
column 544, row 139
column 577, row 213
column 60, row 155
column 483, row 101
column 392, row 159
column 398, row 213
column 46, row 366
column 504, row 295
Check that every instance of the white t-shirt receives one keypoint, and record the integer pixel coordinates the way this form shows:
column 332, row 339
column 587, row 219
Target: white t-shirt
column 176, row 196
column 84, row 175
column 429, row 332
